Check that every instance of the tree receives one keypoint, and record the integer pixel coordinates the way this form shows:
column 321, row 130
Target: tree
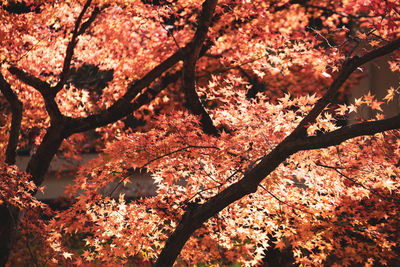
column 241, row 102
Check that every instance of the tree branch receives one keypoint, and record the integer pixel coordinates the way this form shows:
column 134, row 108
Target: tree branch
column 123, row 106
column 43, row 88
column 349, row 66
column 31, row 80
column 372, row 190
column 16, row 109
column 78, row 30
column 189, row 68
column 49, row 93
column 347, row 132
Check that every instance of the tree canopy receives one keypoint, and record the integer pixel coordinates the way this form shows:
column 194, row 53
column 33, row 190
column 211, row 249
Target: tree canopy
column 240, row 110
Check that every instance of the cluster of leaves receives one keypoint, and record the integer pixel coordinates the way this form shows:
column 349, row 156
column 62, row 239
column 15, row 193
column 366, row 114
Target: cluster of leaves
column 17, row 188
column 16, row 191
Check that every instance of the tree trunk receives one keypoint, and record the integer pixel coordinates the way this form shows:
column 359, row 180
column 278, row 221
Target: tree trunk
column 8, row 222
column 40, row 160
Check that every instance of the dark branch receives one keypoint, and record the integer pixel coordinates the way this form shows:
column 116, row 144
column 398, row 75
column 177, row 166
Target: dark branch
column 347, row 132
column 349, row 67
column 189, row 68
column 124, row 106
column 78, row 30
column 43, row 88
column 172, row 248
column 372, row 190
column 16, row 109
column 49, row 93
column 29, row 79
column 90, row 20
column 283, row 202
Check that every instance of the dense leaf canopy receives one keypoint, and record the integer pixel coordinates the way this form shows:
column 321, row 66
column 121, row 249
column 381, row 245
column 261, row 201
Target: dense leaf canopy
column 240, row 110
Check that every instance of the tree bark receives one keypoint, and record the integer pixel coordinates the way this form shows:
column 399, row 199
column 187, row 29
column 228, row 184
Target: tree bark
column 40, row 160
column 189, row 68
column 16, row 110
column 8, row 214
column 8, row 228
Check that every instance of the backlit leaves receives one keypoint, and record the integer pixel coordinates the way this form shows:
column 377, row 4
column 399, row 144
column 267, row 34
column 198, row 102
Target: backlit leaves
column 337, row 205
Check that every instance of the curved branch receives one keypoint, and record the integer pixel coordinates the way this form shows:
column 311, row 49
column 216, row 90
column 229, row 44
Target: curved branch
column 347, row 132
column 8, row 214
column 49, row 93
column 29, row 79
column 43, row 88
column 349, row 66
column 78, row 30
column 189, row 68
column 40, row 160
column 16, row 109
column 123, row 106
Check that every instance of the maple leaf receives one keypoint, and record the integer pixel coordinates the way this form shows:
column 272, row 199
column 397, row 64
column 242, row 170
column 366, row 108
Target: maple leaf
column 358, row 102
column 280, row 245
column 368, row 98
column 374, row 43
column 341, row 110
column 67, row 255
column 352, row 108
column 390, row 94
column 376, row 105
column 361, row 35
column 311, row 130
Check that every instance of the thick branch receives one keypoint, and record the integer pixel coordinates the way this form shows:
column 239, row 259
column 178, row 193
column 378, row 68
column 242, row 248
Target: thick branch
column 16, row 109
column 40, row 161
column 31, row 80
column 123, row 106
column 347, row 132
column 72, row 43
column 348, row 68
column 248, row 184
column 8, row 214
column 189, row 68
column 43, row 88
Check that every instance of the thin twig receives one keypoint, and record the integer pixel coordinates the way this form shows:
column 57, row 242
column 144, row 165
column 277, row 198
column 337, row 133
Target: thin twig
column 320, row 35
column 373, row 191
column 33, row 257
column 11, row 62
column 283, row 202
column 163, row 156
column 167, row 30
column 235, row 67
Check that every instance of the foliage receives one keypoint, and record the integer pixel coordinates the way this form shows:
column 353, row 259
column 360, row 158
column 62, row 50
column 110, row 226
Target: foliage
column 242, row 111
